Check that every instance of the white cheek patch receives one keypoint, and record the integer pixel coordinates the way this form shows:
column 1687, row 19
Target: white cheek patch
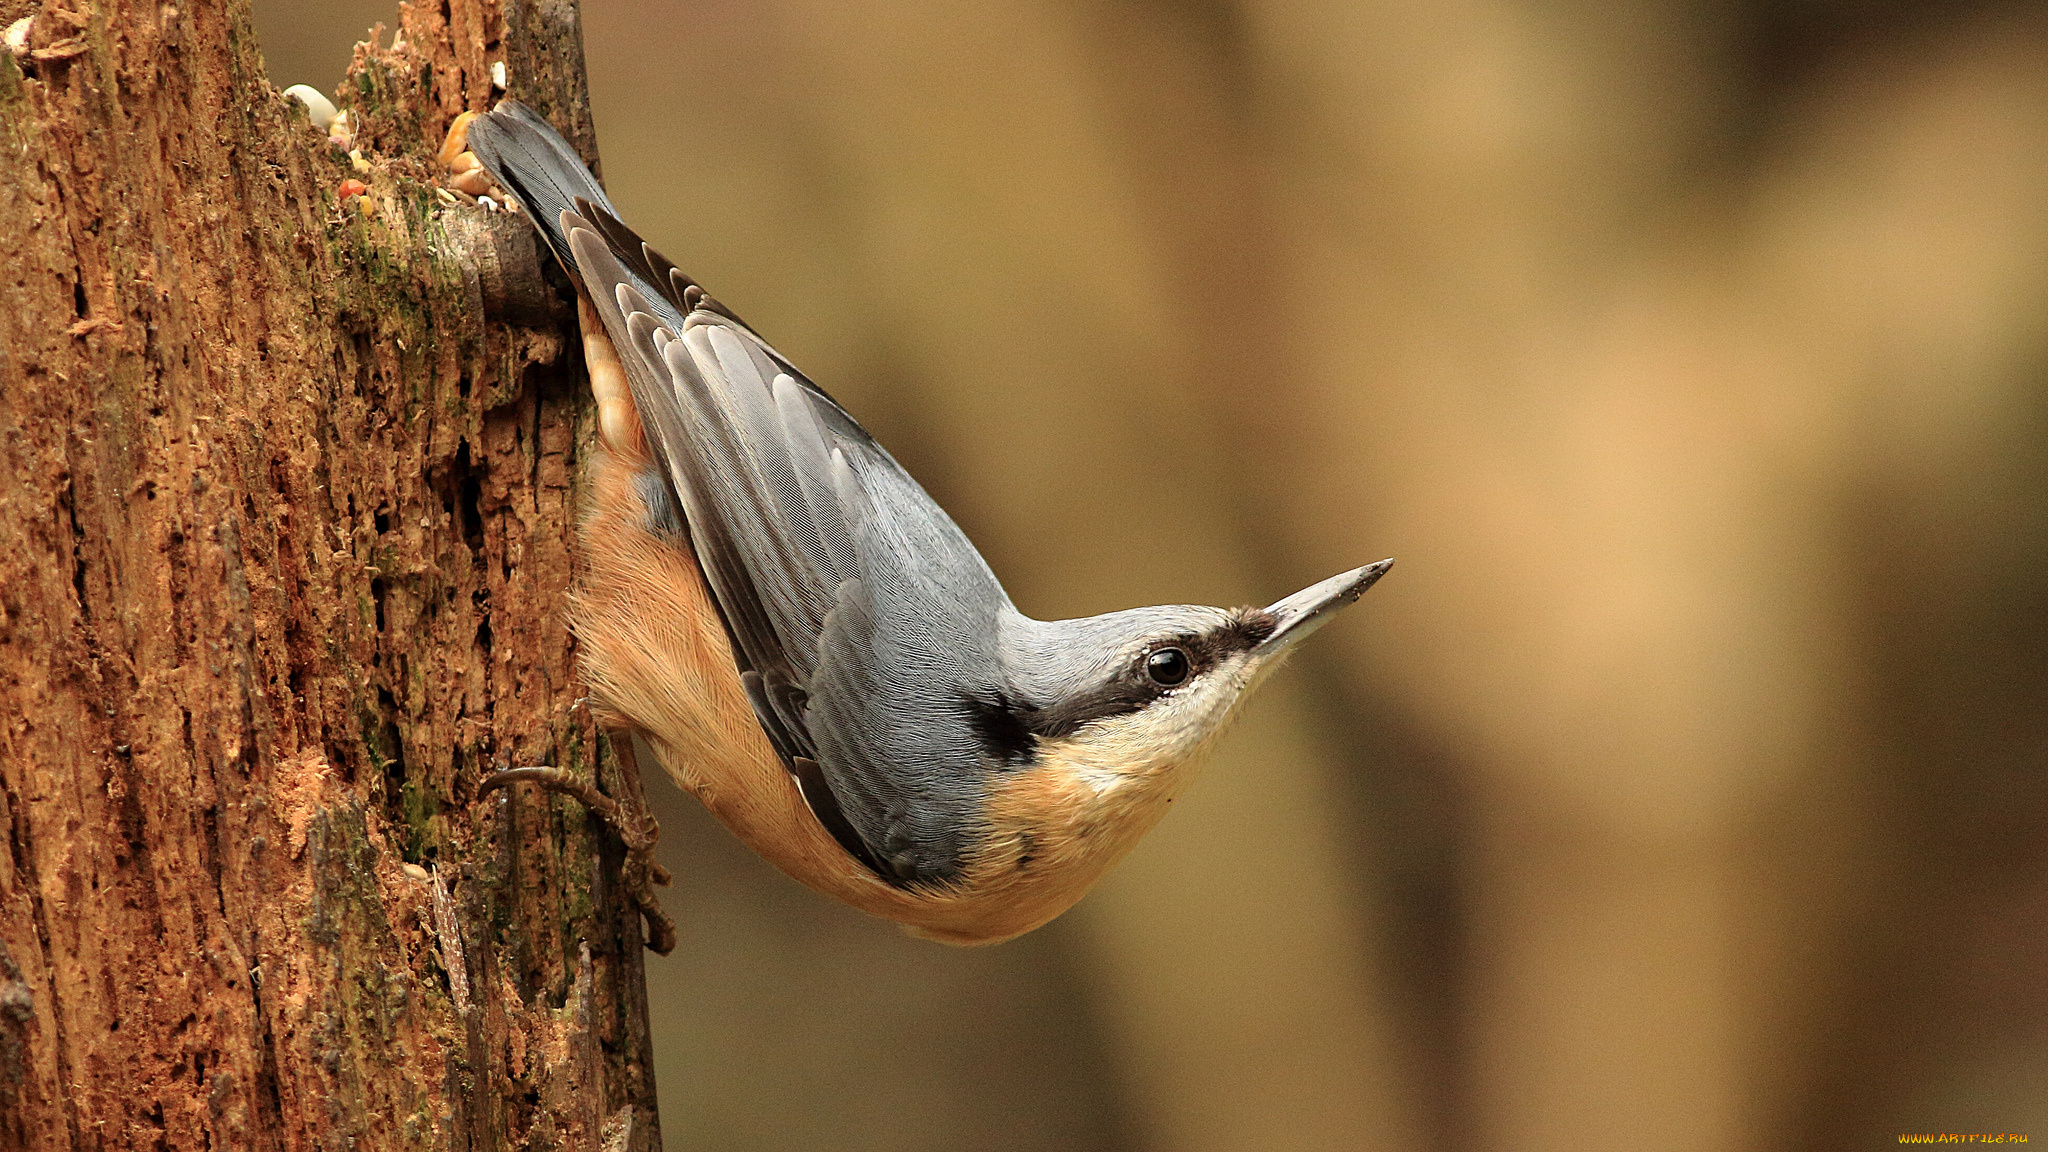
column 1197, row 713
column 1169, row 731
column 1100, row 780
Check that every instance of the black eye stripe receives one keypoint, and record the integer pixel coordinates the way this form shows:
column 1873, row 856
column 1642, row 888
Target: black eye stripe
column 1128, row 689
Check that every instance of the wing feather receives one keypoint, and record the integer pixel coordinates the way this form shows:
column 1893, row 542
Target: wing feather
column 862, row 619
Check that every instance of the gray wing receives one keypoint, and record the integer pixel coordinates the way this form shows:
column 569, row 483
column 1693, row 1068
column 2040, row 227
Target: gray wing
column 864, row 621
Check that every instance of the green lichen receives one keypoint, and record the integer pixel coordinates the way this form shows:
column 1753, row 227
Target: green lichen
column 10, row 86
column 371, row 1001
column 419, row 811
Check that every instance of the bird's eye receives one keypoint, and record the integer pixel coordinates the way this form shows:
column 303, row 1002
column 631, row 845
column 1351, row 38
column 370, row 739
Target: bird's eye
column 1167, row 666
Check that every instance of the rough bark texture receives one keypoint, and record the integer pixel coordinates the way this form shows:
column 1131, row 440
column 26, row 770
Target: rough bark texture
column 285, row 543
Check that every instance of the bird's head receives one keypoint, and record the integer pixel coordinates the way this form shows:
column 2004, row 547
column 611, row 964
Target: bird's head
column 1124, row 695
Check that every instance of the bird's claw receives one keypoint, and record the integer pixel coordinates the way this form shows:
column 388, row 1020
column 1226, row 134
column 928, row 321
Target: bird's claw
column 638, row 832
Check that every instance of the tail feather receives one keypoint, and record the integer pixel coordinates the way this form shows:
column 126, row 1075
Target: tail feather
column 530, row 160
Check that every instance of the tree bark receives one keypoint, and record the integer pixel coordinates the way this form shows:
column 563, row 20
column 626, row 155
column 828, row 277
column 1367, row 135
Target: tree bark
column 285, row 549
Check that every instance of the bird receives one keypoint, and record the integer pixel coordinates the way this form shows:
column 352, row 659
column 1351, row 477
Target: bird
column 810, row 645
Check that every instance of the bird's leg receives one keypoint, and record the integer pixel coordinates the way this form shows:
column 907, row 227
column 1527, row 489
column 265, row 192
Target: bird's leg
column 632, row 822
column 639, row 830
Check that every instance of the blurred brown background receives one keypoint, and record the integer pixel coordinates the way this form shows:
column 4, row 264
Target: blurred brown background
column 1682, row 788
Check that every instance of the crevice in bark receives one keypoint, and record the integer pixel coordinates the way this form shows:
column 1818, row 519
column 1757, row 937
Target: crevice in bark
column 78, row 566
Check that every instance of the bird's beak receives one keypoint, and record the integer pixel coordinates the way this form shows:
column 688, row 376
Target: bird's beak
column 1308, row 609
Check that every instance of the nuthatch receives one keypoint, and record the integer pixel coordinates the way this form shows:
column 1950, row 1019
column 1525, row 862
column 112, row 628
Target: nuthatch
column 812, row 647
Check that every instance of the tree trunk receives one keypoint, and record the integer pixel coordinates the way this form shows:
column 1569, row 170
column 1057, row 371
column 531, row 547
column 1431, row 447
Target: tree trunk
column 285, row 548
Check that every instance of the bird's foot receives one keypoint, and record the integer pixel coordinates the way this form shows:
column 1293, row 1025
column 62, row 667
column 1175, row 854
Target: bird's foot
column 637, row 830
